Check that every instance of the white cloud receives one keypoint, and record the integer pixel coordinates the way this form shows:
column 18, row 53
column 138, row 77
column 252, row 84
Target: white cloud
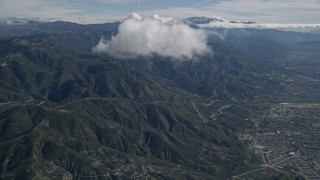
column 258, row 25
column 263, row 11
column 181, row 12
column 269, row 11
column 138, row 36
column 93, row 11
column 84, row 11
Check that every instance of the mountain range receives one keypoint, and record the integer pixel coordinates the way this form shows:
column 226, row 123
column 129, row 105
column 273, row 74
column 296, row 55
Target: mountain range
column 68, row 113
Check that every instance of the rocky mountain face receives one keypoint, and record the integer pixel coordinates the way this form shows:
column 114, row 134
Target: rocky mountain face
column 201, row 20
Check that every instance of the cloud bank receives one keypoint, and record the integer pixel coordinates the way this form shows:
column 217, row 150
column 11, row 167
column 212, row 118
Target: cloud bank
column 138, row 36
column 258, row 25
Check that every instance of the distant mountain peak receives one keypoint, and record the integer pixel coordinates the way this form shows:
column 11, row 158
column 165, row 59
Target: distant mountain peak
column 202, row 20
column 208, row 20
column 242, row 22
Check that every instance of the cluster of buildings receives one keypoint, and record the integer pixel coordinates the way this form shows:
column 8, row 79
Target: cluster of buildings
column 288, row 140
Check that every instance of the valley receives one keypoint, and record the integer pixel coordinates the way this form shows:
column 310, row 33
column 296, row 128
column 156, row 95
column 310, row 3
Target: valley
column 286, row 131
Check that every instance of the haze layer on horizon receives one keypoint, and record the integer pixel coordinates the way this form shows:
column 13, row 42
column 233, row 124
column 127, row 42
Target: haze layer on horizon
column 99, row 11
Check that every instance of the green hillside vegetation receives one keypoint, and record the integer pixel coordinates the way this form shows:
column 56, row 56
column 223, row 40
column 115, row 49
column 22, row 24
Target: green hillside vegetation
column 67, row 113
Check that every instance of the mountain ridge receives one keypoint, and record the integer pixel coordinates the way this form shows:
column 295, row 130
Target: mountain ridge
column 66, row 112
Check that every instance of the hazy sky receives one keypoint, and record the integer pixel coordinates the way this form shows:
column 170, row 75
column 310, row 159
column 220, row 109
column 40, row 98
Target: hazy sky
column 86, row 11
